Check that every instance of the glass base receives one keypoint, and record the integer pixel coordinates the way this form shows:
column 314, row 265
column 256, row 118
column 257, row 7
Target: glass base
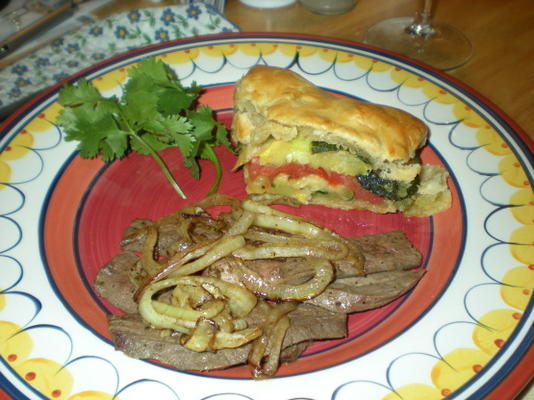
column 329, row 7
column 444, row 48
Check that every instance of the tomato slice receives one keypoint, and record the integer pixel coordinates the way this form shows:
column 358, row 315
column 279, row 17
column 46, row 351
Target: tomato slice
column 296, row 171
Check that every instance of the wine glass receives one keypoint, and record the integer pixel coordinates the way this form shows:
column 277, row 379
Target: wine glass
column 420, row 37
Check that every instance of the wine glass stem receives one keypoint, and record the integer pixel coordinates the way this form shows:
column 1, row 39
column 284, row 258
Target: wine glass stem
column 422, row 23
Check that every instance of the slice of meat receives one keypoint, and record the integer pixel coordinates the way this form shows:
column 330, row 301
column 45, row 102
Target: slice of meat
column 113, row 282
column 350, row 295
column 324, row 317
column 169, row 241
column 387, row 251
column 137, row 339
column 134, row 235
column 383, row 252
column 292, row 271
column 309, row 322
column 293, row 352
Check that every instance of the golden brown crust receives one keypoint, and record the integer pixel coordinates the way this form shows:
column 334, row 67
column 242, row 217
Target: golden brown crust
column 283, row 99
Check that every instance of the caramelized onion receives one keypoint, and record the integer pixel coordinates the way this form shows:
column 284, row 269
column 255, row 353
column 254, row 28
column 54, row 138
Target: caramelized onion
column 207, row 337
column 151, row 266
column 209, row 310
column 226, row 340
column 273, row 349
column 202, row 337
column 330, row 250
column 290, row 225
column 217, row 200
column 264, row 357
column 219, row 249
column 184, row 318
column 323, row 275
column 241, row 226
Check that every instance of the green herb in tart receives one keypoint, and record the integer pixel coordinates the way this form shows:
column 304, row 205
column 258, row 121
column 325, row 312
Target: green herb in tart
column 321, row 147
column 388, row 188
column 155, row 112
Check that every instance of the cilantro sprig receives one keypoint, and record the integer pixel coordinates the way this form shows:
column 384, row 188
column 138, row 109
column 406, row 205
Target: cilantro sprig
column 155, row 112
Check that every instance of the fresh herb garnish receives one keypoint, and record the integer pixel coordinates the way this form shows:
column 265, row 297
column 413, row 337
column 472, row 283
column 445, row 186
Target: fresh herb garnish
column 155, row 112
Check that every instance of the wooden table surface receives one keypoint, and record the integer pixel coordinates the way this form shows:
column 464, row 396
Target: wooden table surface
column 502, row 33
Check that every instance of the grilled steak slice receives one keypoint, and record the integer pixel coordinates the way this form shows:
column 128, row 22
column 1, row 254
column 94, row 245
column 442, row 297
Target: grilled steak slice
column 309, row 322
column 169, row 241
column 136, row 339
column 387, row 251
column 350, row 295
column 114, row 282
column 134, row 235
column 383, row 252
column 292, row 353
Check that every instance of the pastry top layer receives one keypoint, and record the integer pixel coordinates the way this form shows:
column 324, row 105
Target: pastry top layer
column 282, row 100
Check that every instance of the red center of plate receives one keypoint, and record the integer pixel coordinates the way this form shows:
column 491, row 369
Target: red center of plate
column 92, row 204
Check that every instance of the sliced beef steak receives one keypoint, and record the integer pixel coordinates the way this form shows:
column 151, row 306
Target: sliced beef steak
column 387, row 252
column 383, row 252
column 137, row 339
column 309, row 322
column 114, row 282
column 348, row 295
column 169, row 241
column 388, row 257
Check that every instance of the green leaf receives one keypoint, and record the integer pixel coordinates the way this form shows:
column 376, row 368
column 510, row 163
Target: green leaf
column 206, row 153
column 140, row 108
column 95, row 139
column 74, row 119
column 209, row 154
column 172, row 101
column 167, row 125
column 203, row 123
column 321, row 147
column 68, row 119
column 221, row 137
column 193, row 166
column 117, row 140
column 153, row 142
column 154, row 70
column 186, row 143
column 83, row 92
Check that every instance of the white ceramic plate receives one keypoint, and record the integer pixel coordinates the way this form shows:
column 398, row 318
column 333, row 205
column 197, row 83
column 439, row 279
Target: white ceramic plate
column 465, row 331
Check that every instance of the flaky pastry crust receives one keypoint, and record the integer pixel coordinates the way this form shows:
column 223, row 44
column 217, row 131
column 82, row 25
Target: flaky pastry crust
column 276, row 96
